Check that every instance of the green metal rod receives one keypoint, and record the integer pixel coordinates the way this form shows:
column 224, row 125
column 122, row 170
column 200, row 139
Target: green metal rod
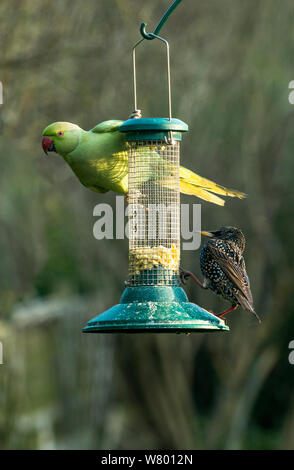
column 160, row 24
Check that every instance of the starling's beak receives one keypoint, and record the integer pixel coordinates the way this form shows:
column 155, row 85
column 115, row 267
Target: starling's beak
column 207, row 234
column 48, row 145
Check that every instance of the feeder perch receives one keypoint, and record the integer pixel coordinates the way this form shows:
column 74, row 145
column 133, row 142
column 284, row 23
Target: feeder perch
column 153, row 300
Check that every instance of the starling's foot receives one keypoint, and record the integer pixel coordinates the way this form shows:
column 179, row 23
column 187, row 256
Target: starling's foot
column 184, row 275
column 233, row 307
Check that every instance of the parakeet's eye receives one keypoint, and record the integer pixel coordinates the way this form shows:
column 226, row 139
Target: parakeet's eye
column 59, row 133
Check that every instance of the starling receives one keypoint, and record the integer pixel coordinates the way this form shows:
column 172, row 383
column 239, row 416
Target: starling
column 223, row 267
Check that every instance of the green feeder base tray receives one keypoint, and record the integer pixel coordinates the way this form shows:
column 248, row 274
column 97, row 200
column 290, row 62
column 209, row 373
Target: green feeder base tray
column 155, row 309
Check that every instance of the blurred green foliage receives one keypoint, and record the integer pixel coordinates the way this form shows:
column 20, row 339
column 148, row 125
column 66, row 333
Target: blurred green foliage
column 232, row 62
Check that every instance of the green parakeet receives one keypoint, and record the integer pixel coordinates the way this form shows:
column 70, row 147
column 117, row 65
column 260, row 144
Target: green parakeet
column 99, row 159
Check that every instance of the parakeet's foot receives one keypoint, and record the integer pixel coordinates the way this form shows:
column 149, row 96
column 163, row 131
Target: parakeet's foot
column 135, row 199
column 233, row 307
column 137, row 195
column 184, row 275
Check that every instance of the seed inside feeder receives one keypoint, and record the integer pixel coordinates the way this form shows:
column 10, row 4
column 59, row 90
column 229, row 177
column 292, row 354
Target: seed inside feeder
column 148, row 257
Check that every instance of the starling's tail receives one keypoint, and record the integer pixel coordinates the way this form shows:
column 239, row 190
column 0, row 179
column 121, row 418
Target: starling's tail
column 251, row 309
column 256, row 316
column 246, row 305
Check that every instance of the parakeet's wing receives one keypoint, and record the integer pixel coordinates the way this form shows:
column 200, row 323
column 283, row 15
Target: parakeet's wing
column 154, row 167
column 98, row 189
column 107, row 126
column 236, row 273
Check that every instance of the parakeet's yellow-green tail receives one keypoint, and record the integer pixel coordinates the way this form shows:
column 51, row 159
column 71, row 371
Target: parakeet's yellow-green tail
column 195, row 185
column 188, row 188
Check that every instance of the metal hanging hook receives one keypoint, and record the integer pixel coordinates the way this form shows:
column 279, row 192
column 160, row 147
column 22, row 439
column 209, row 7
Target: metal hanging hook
column 149, row 36
column 137, row 113
column 167, row 14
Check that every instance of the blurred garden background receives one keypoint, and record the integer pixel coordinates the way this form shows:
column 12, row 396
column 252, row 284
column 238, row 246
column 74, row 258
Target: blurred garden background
column 232, row 62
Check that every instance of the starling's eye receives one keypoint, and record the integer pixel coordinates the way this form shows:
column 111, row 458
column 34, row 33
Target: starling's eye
column 59, row 133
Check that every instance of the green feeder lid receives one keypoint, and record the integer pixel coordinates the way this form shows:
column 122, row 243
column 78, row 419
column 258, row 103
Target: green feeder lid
column 153, row 124
column 153, row 128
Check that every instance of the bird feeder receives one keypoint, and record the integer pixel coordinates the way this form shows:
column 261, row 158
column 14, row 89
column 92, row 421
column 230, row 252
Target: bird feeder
column 153, row 300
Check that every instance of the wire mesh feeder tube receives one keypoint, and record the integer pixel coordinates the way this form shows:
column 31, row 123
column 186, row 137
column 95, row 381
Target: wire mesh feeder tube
column 153, row 300
column 154, row 213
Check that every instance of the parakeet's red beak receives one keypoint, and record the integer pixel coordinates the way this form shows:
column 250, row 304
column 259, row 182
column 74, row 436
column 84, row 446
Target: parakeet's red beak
column 48, row 145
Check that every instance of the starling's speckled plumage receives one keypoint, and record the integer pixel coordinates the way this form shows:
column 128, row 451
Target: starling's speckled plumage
column 223, row 267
